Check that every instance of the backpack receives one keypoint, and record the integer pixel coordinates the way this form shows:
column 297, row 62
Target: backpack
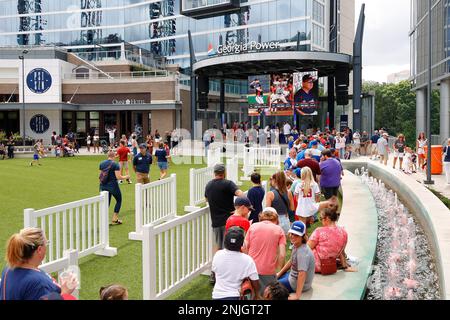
column 103, row 177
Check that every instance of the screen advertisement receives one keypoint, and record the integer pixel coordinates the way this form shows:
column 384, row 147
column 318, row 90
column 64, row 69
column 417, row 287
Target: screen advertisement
column 283, row 94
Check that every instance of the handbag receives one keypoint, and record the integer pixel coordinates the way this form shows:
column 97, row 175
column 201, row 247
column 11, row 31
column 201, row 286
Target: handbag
column 329, row 265
column 247, row 292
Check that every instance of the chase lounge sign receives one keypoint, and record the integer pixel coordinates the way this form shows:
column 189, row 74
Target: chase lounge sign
column 237, row 48
column 39, row 80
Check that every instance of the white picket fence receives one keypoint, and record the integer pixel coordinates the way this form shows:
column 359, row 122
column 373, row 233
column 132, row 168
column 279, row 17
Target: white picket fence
column 232, row 168
column 81, row 225
column 267, row 159
column 175, row 252
column 154, row 202
column 198, row 178
column 214, row 156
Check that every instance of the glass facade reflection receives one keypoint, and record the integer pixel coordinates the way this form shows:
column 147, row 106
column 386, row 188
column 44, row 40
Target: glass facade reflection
column 419, row 39
column 157, row 26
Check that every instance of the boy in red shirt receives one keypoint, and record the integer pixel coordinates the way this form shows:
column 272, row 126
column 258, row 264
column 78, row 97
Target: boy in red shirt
column 243, row 208
column 122, row 153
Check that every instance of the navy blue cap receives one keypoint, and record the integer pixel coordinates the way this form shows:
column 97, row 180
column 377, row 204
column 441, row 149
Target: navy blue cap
column 243, row 201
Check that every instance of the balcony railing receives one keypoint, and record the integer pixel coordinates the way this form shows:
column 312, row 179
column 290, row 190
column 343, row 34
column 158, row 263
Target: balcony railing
column 118, row 75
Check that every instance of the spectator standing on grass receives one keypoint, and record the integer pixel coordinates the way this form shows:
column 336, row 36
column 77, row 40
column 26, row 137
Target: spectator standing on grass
column 22, row 279
column 239, row 218
column 280, row 199
column 134, row 145
column 446, row 151
column 291, row 162
column 310, row 163
column 141, row 164
column 298, row 274
column 109, row 174
column 36, row 149
column 265, row 242
column 256, row 196
column 123, row 153
column 330, row 178
column 232, row 267
column 308, row 195
column 161, row 157
column 220, row 193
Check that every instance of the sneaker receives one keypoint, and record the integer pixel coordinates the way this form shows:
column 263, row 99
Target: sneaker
column 130, row 182
column 120, row 181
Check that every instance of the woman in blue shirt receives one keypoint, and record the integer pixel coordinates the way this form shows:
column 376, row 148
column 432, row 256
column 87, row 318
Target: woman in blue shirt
column 161, row 156
column 109, row 174
column 21, row 279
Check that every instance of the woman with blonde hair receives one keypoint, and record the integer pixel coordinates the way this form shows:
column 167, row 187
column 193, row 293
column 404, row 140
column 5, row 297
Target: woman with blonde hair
column 22, row 279
column 308, row 197
column 280, row 199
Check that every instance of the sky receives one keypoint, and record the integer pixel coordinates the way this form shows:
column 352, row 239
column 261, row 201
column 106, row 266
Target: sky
column 386, row 40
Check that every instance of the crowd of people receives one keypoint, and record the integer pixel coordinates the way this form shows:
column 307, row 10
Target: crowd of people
column 251, row 243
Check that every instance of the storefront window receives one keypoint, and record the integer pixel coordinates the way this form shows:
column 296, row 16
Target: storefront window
column 81, row 122
column 67, row 121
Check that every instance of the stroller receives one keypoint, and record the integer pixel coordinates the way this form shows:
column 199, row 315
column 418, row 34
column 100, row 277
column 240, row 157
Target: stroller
column 104, row 145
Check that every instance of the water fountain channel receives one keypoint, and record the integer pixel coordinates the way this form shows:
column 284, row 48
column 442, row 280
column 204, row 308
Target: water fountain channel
column 404, row 267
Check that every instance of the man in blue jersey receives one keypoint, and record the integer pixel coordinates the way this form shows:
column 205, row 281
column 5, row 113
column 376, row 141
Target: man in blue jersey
column 304, row 99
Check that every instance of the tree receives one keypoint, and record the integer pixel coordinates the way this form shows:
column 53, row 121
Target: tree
column 395, row 109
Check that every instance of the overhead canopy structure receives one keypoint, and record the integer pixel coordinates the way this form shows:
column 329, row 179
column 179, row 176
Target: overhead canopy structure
column 240, row 66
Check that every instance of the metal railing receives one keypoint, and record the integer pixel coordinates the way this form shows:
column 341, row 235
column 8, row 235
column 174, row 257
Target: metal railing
column 118, row 75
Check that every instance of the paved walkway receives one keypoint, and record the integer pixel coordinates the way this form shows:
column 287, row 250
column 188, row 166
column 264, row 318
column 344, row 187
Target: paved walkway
column 359, row 217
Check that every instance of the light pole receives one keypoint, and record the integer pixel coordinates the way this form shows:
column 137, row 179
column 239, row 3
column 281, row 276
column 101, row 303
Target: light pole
column 429, row 181
column 22, row 57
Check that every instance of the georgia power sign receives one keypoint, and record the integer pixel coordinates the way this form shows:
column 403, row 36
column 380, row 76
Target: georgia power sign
column 39, row 80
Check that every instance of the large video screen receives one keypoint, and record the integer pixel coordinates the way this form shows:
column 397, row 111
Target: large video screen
column 283, row 94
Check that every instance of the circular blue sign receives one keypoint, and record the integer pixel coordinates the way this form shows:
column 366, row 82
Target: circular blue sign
column 39, row 123
column 39, row 80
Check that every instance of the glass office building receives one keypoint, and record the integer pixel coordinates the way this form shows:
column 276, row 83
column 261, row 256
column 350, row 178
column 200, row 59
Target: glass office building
column 158, row 26
column 440, row 56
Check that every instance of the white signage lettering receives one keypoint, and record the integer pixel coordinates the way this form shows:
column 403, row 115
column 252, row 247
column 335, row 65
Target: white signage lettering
column 128, row 101
column 234, row 48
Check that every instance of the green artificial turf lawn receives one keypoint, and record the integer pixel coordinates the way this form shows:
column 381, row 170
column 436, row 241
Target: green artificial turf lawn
column 63, row 180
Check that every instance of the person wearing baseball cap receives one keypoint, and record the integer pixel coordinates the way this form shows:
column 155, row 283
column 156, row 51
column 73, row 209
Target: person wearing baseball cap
column 220, row 194
column 141, row 164
column 231, row 267
column 302, row 264
column 243, row 208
